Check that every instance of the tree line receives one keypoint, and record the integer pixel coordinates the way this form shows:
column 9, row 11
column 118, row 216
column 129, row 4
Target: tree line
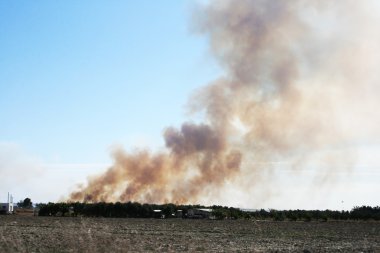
column 357, row 213
column 117, row 210
column 137, row 210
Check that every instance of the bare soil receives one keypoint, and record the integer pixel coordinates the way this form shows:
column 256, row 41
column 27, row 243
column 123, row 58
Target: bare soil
column 64, row 234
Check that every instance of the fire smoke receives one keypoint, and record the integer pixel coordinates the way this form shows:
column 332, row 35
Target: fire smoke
column 299, row 79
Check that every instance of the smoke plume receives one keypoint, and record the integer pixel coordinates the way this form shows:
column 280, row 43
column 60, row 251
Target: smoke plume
column 298, row 81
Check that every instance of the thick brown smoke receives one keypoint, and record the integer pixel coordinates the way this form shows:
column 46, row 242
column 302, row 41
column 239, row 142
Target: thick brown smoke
column 290, row 78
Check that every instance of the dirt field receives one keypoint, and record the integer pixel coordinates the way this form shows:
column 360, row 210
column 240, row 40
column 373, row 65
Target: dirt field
column 54, row 234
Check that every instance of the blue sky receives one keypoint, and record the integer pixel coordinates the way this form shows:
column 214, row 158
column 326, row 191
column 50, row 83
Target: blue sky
column 78, row 77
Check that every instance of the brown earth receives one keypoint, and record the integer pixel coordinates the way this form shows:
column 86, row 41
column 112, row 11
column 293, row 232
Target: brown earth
column 64, row 234
column 25, row 212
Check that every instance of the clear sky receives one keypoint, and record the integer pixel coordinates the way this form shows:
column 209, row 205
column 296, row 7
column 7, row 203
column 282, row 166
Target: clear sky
column 78, row 77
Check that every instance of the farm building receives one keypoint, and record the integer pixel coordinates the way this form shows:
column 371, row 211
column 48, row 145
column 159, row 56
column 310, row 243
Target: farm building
column 200, row 213
column 158, row 214
column 179, row 214
column 7, row 208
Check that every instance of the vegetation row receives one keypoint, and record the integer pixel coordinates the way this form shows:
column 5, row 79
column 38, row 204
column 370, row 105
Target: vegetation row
column 137, row 210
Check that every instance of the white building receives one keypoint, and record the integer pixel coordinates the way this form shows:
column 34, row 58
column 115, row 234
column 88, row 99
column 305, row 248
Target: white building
column 7, row 207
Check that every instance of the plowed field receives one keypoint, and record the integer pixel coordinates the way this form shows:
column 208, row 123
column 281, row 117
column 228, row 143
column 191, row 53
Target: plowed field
column 63, row 234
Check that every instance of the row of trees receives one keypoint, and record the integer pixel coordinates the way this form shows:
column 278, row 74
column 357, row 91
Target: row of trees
column 357, row 213
column 117, row 210
column 137, row 210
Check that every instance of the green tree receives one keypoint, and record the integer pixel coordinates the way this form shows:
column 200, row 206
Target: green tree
column 63, row 208
column 26, row 203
